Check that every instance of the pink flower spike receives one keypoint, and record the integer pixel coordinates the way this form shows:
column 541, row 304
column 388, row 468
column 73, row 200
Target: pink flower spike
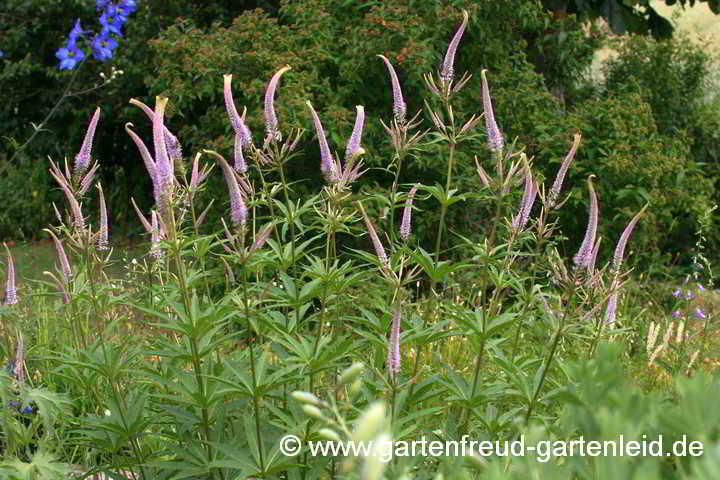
column 584, row 254
column 82, row 159
column 62, row 257
column 620, row 248
column 399, row 107
column 10, row 291
column 557, row 185
column 496, row 142
column 527, row 201
column 611, row 309
column 447, row 72
column 163, row 168
column 353, row 146
column 238, row 209
column 407, row 215
column 327, row 163
column 271, row 123
column 377, row 244
column 394, row 344
column 102, row 241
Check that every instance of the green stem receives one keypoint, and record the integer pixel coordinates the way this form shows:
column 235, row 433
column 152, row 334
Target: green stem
column 253, row 373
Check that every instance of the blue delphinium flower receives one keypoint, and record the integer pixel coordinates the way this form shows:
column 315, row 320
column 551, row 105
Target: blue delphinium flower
column 101, row 4
column 77, row 31
column 69, row 56
column 128, row 6
column 2, row 54
column 112, row 20
column 103, row 46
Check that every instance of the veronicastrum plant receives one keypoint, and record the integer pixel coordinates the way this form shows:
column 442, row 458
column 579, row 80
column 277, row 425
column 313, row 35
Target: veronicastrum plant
column 218, row 344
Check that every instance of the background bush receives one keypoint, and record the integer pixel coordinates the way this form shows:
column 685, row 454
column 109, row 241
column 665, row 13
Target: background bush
column 646, row 127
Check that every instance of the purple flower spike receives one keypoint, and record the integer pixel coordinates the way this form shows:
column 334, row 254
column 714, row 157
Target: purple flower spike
column 353, row 146
column 447, row 72
column 156, row 235
column 102, row 240
column 62, row 257
column 271, row 123
column 496, row 142
column 399, row 107
column 242, row 132
column 377, row 244
column 407, row 215
column 593, row 257
column 82, row 159
column 327, row 162
column 676, row 314
column 699, row 313
column 620, row 248
column 527, row 202
column 238, row 209
column 677, row 293
column 557, row 185
column 394, row 345
column 611, row 309
column 163, row 168
column 10, row 292
column 582, row 258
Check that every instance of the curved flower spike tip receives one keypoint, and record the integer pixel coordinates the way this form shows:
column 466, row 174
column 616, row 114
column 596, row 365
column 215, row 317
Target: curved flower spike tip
column 584, row 254
column 399, row 106
column 163, row 167
column 496, row 142
column 243, row 137
column 353, row 148
column 238, row 209
column 447, row 73
column 174, row 148
column 82, row 159
column 557, row 184
column 327, row 162
column 377, row 244
column 62, row 257
column 271, row 123
column 620, row 248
